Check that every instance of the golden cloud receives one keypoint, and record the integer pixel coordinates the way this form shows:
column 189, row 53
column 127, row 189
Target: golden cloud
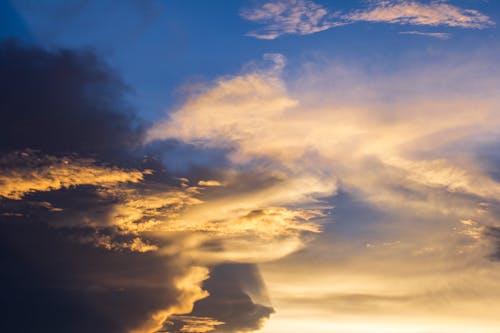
column 26, row 172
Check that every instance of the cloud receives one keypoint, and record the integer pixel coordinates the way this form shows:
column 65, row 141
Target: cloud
column 297, row 17
column 66, row 168
column 209, row 183
column 57, row 284
column 76, row 103
column 416, row 13
column 438, row 35
column 27, row 171
column 412, row 148
column 303, row 17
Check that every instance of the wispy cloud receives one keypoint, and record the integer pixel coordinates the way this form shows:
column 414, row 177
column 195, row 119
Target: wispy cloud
column 304, row 17
column 436, row 13
column 438, row 35
column 296, row 17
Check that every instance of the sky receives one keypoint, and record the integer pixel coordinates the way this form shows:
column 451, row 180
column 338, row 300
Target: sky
column 271, row 166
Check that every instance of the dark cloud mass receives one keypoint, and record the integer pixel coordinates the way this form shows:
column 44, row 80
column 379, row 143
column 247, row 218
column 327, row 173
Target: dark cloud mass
column 62, row 102
column 52, row 284
column 58, row 108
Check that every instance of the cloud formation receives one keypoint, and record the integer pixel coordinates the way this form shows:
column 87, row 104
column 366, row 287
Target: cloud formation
column 304, row 17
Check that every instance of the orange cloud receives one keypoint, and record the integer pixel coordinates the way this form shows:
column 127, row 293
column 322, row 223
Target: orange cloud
column 27, row 172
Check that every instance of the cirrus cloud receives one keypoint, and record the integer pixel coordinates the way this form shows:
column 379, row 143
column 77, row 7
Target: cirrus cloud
column 304, row 17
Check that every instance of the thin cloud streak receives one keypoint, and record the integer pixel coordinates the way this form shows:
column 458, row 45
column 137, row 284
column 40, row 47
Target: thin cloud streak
column 438, row 35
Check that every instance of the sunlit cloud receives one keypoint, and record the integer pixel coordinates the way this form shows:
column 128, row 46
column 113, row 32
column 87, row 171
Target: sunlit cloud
column 28, row 171
column 209, row 183
column 389, row 141
column 189, row 291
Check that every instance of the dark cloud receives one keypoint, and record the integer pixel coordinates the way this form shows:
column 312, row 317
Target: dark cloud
column 237, row 298
column 52, row 284
column 58, row 107
column 62, row 102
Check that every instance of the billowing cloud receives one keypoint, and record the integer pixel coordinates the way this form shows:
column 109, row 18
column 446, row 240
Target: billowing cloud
column 304, row 17
column 403, row 146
